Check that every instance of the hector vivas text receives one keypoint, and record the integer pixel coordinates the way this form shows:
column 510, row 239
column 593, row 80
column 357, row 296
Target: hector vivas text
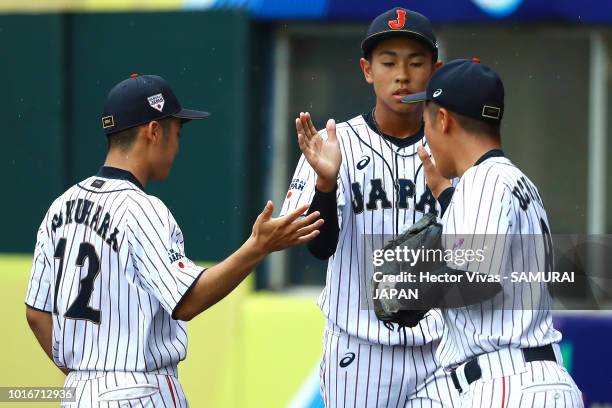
column 433, row 258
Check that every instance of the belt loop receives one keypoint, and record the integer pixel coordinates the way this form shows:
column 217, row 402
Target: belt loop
column 557, row 350
column 463, row 382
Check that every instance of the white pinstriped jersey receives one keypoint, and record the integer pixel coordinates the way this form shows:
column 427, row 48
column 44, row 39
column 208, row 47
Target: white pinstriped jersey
column 381, row 189
column 495, row 198
column 109, row 264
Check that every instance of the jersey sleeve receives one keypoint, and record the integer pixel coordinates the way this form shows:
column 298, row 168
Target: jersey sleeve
column 39, row 294
column 302, row 187
column 157, row 250
column 485, row 214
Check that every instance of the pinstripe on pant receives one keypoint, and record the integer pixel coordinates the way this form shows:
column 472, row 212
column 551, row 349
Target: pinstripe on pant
column 355, row 373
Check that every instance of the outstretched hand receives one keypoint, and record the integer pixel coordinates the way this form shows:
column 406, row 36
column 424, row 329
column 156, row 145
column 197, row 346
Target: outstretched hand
column 323, row 155
column 274, row 234
column 435, row 181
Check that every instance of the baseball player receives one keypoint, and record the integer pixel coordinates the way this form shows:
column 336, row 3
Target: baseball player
column 503, row 350
column 365, row 178
column 110, row 285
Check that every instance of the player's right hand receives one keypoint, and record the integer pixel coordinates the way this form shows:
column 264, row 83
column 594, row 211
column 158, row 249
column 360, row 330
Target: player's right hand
column 274, row 234
column 323, row 155
column 434, row 179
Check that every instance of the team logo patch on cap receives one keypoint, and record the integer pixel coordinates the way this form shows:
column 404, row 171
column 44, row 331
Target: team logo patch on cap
column 156, row 101
column 107, row 122
column 491, row 112
column 399, row 22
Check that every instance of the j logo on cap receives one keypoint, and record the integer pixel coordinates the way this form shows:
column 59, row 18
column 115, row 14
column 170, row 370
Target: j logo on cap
column 400, row 22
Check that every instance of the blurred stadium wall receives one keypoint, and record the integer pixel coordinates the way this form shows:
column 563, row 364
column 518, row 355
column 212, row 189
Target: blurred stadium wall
column 58, row 69
column 256, row 63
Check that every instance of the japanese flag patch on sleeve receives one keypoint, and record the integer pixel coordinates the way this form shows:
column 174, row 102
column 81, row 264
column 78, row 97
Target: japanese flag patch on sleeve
column 181, row 264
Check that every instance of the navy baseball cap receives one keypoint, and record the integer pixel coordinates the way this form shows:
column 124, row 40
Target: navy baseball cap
column 466, row 87
column 141, row 99
column 400, row 22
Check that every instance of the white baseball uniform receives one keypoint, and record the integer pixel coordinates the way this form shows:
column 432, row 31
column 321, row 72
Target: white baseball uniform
column 495, row 206
column 381, row 189
column 109, row 265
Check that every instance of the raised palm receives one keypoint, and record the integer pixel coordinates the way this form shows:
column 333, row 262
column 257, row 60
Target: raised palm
column 323, row 155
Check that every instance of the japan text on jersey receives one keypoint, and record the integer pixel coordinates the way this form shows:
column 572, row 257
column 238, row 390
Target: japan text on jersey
column 381, row 190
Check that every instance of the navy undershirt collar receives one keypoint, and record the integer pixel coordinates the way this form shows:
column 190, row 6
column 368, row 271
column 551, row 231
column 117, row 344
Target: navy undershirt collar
column 119, row 174
column 489, row 154
column 407, row 141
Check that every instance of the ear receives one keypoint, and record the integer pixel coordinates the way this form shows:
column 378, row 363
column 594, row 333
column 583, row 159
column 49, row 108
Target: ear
column 366, row 68
column 444, row 120
column 437, row 65
column 154, row 132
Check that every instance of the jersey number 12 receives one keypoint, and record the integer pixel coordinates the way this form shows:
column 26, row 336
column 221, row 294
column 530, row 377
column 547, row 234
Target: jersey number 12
column 79, row 309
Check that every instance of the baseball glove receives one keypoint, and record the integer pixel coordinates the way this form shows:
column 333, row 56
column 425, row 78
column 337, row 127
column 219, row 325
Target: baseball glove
column 425, row 234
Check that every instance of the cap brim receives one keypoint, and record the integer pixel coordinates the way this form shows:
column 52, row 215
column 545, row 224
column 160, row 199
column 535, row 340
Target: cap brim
column 415, row 98
column 368, row 44
column 190, row 114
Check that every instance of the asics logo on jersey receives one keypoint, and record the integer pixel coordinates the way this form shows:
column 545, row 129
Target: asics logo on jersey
column 437, row 93
column 363, row 162
column 347, row 360
column 399, row 22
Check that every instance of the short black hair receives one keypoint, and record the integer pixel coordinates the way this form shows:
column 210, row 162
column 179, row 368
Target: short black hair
column 122, row 140
column 125, row 139
column 470, row 125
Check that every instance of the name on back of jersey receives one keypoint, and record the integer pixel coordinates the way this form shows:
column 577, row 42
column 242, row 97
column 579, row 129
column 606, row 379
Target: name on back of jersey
column 525, row 192
column 80, row 212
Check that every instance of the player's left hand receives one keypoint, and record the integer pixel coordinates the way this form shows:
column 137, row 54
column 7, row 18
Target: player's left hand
column 274, row 234
column 435, row 181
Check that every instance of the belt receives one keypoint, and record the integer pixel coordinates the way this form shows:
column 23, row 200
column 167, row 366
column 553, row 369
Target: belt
column 473, row 372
